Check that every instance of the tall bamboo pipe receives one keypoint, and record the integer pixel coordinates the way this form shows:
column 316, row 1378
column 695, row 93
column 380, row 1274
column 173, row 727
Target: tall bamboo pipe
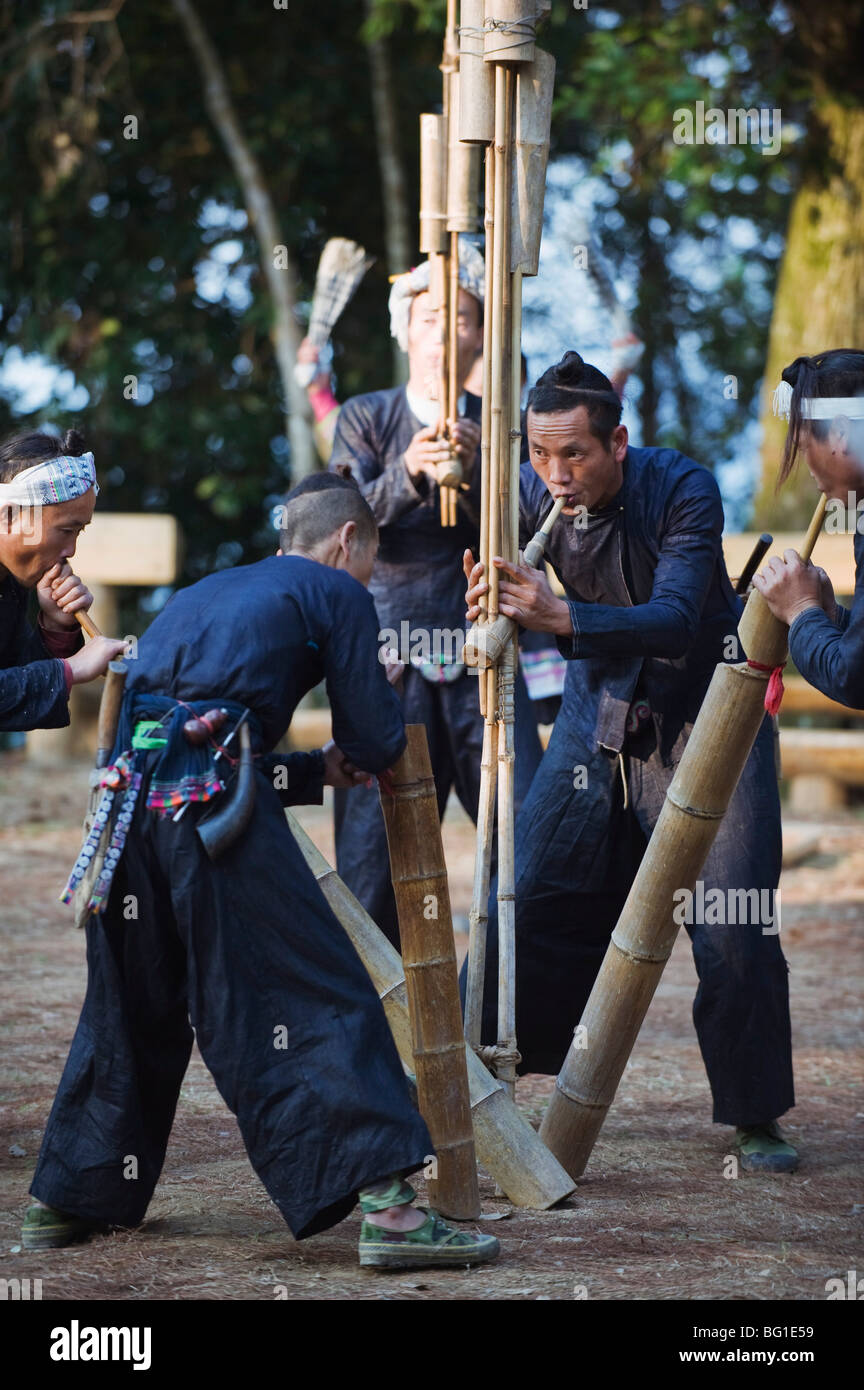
column 477, row 104
column 506, row 1144
column 696, row 801
column 429, row 951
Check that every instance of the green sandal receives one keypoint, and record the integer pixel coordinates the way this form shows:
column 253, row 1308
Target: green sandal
column 434, row 1244
column 45, row 1228
column 764, row 1149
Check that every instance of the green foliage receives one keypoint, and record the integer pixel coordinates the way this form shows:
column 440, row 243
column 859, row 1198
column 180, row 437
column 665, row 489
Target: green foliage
column 102, row 237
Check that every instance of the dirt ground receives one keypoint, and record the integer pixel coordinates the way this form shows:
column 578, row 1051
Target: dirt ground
column 655, row 1217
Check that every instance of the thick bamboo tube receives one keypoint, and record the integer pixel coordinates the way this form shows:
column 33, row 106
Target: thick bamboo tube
column 534, row 91
column 429, row 952
column 506, row 1144
column 433, row 184
column 696, row 801
column 463, row 170
column 509, row 32
column 477, row 101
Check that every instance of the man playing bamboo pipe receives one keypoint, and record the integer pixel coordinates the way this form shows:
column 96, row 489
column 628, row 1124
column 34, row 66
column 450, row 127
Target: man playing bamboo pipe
column 823, row 399
column 389, row 440
column 47, row 494
column 649, row 612
column 245, row 951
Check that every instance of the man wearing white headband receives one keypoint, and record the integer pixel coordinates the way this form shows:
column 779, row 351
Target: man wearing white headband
column 822, row 397
column 47, row 493
column 390, row 442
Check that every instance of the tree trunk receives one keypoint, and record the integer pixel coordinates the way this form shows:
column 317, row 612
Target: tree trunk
column 282, row 279
column 397, row 232
column 820, row 293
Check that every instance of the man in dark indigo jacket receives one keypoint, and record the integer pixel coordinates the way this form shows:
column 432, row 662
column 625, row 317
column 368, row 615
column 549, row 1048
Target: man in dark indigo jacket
column 245, row 951
column 648, row 613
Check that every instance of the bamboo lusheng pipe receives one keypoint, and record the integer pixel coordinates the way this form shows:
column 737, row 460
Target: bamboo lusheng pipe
column 422, row 896
column 433, row 189
column 508, row 35
column 484, row 645
column 506, row 1144
column 696, row 801
column 477, row 100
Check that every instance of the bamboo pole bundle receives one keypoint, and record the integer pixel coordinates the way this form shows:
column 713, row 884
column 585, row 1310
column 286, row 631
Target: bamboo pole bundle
column 429, row 952
column 506, row 1144
column 696, row 801
column 520, row 76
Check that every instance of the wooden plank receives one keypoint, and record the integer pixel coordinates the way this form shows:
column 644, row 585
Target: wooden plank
column 835, row 753
column 129, row 548
column 802, row 698
column 833, row 552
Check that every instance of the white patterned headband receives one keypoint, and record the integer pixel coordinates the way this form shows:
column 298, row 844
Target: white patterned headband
column 45, row 484
column 817, row 407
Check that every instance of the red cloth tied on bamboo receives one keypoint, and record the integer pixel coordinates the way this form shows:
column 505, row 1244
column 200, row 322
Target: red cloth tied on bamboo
column 774, row 688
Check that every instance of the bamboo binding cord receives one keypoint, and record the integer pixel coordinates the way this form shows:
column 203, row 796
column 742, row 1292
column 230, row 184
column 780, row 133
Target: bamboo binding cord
column 506, row 103
column 410, row 807
column 506, row 1144
column 697, row 799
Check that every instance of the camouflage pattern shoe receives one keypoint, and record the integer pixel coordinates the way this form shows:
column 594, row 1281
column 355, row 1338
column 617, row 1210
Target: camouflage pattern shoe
column 763, row 1149
column 432, row 1245
column 45, row 1228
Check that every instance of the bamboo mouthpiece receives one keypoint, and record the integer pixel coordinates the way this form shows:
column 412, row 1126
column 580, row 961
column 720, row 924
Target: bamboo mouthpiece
column 814, row 529
column 88, row 624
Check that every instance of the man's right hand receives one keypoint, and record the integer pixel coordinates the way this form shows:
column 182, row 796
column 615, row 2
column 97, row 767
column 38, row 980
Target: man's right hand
column 425, row 452
column 93, row 658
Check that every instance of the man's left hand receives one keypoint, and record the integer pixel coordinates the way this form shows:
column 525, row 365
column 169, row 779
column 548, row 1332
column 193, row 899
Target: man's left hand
column 61, row 595
column 524, row 594
column 789, row 587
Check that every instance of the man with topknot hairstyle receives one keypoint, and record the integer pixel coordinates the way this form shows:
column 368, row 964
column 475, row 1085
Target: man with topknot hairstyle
column 647, row 614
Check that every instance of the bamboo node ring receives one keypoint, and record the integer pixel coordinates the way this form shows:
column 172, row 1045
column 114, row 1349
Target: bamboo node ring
column 429, row 960
column 640, row 957
column 580, row 1100
column 696, row 811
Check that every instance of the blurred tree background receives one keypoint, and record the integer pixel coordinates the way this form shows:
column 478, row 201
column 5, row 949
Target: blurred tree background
column 128, row 252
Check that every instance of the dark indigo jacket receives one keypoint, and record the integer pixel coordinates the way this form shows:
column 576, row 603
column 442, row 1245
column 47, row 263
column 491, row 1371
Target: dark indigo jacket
column 418, row 574
column 33, row 692
column 831, row 655
column 264, row 635
column 670, row 523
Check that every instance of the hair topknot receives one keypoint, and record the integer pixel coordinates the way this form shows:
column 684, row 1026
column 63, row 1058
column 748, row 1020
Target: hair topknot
column 573, row 382
column 22, row 451
column 839, row 372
